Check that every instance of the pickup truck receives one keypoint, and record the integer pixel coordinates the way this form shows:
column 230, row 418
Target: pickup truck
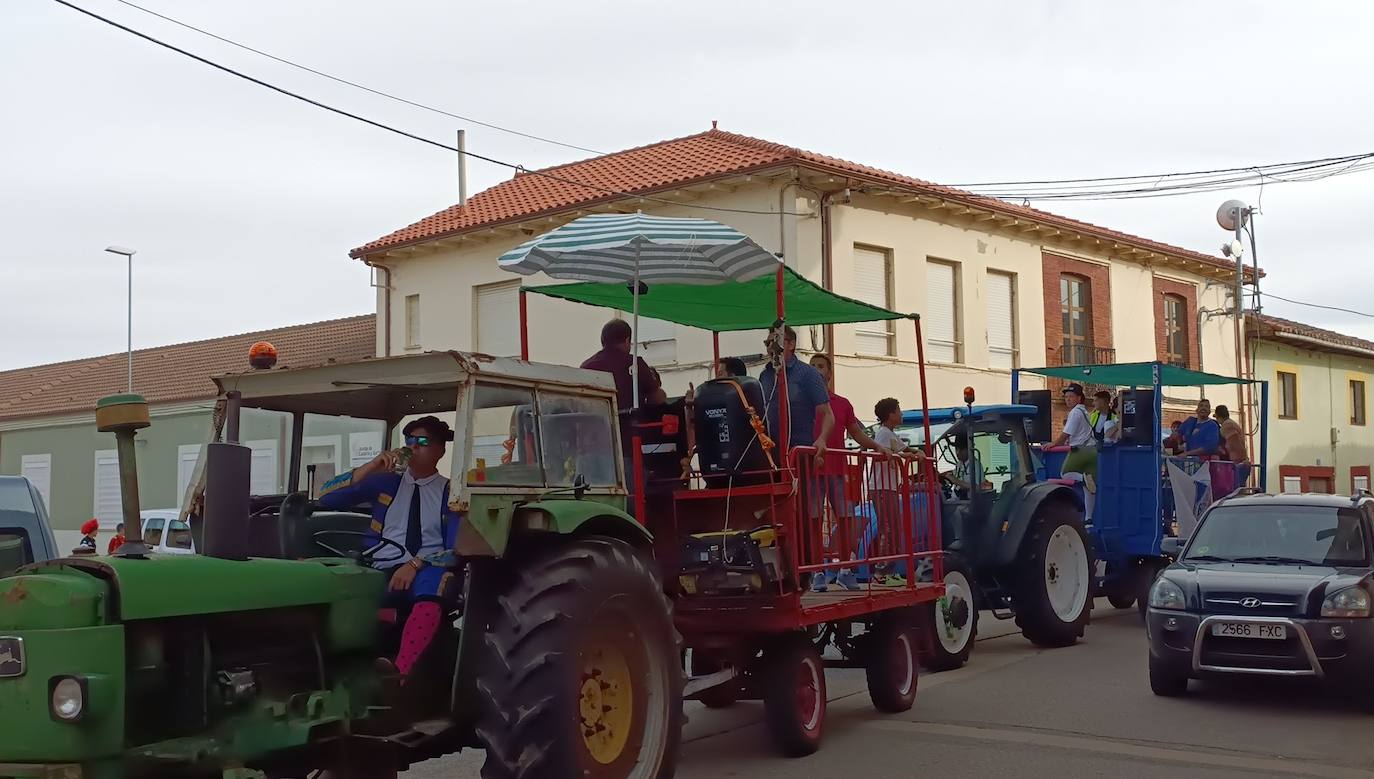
column 25, row 535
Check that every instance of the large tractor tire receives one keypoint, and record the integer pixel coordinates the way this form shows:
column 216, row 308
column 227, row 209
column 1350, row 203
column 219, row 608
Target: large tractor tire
column 794, row 695
column 951, row 622
column 581, row 674
column 1146, row 573
column 1054, row 577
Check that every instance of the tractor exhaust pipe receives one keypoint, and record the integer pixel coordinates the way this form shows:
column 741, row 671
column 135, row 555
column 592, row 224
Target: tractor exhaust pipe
column 228, row 472
column 124, row 415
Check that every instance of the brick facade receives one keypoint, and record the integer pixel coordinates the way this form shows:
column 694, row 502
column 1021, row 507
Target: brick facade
column 1100, row 292
column 1188, row 292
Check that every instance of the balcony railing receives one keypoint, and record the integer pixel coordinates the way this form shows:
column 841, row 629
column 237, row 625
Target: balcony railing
column 1081, row 354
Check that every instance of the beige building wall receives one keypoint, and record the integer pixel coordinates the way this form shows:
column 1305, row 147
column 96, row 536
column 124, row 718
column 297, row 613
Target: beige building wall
column 1322, row 434
column 562, row 332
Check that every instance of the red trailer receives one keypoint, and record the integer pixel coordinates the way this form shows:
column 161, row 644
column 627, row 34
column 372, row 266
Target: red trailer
column 741, row 552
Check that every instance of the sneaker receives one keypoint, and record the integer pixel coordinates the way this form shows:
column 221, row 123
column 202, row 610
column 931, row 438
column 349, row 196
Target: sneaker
column 895, row 581
column 847, row 580
column 818, row 583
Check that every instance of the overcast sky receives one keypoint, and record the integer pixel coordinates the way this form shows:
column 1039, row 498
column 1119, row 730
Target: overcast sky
column 243, row 204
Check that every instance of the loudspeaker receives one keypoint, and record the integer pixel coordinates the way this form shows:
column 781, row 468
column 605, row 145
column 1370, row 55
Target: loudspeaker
column 1039, row 428
column 1138, row 416
column 228, row 473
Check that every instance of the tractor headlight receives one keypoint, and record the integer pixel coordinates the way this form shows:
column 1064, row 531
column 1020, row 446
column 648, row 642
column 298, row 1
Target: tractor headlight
column 1349, row 602
column 68, row 698
column 1166, row 595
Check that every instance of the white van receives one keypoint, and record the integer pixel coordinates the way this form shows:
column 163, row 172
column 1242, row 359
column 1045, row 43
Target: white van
column 165, row 533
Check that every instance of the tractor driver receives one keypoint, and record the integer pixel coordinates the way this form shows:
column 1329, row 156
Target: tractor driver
column 411, row 510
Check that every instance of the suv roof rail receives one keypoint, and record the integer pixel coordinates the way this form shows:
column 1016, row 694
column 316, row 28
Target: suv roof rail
column 1239, row 491
column 1358, row 495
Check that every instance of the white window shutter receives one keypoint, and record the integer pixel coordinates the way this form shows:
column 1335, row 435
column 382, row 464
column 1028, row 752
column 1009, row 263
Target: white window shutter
column 108, row 508
column 872, row 285
column 37, row 468
column 412, row 321
column 938, row 321
column 264, row 476
column 1001, row 321
column 1292, row 484
column 498, row 319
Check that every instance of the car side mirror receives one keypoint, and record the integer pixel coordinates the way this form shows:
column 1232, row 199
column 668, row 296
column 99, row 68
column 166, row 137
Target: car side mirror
column 1173, row 547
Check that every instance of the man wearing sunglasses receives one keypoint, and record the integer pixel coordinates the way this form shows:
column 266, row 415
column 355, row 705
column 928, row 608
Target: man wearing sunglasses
column 411, row 510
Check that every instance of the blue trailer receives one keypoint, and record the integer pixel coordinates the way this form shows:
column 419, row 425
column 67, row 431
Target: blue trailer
column 1135, row 507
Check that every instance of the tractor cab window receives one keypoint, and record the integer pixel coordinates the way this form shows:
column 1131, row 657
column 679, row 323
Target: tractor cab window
column 578, row 440
column 505, row 437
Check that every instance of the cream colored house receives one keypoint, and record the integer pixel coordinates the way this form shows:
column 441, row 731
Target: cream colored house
column 1320, row 439
column 997, row 284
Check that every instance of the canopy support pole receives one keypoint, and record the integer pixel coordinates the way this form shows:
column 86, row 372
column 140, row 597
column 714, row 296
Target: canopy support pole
column 524, row 327
column 715, row 352
column 784, row 407
column 634, row 337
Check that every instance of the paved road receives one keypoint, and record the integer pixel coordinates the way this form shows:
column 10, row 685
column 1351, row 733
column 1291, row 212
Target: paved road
column 1085, row 711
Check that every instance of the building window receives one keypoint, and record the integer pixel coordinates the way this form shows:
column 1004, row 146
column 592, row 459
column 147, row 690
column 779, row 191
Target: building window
column 1308, row 478
column 873, row 285
column 1002, row 351
column 496, row 315
column 1357, row 403
column 1359, row 479
column 1176, row 330
column 412, row 321
column 1288, row 395
column 1075, row 305
column 941, row 319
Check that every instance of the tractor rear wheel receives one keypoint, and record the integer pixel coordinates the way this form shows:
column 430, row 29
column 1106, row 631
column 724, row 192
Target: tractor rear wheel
column 581, row 674
column 951, row 622
column 794, row 695
column 1053, row 597
column 893, row 663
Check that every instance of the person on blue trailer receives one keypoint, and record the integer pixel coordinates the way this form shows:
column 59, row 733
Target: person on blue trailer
column 410, row 509
column 1201, row 433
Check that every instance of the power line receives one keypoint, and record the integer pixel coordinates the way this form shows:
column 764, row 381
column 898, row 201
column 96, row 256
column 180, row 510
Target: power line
column 355, row 84
column 1318, row 305
column 356, row 117
column 1214, row 171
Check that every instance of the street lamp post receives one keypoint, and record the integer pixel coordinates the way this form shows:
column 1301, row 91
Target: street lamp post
column 128, row 255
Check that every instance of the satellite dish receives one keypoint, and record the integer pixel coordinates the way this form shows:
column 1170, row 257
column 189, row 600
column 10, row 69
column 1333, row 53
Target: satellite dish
column 1232, row 214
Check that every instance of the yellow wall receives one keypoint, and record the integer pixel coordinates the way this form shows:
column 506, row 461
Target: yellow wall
column 1323, row 404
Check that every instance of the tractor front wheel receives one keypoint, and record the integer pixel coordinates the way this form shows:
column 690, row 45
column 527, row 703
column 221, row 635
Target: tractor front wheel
column 581, row 674
column 1053, row 597
column 794, row 695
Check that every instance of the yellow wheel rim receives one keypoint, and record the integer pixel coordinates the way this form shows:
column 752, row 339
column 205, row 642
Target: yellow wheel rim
column 606, row 702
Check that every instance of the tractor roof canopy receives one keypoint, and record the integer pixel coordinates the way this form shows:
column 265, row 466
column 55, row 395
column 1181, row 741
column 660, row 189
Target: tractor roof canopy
column 939, row 416
column 727, row 306
column 394, row 387
column 1135, row 374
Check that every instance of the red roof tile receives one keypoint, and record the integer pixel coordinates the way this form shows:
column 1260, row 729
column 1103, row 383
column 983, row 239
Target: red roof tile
column 1263, row 325
column 681, row 161
column 179, row 372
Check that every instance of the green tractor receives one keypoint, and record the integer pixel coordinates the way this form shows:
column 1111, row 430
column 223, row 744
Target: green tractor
column 258, row 657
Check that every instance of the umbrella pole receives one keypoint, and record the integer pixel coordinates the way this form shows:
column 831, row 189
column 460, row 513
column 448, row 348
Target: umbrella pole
column 634, row 337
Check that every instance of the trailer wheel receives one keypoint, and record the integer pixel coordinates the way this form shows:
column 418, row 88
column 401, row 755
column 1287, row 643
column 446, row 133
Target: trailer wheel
column 581, row 674
column 1146, row 573
column 893, row 663
column 794, row 695
column 1122, row 598
column 1053, row 598
column 951, row 621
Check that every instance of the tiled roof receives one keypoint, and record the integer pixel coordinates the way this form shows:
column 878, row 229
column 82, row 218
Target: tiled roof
column 1263, row 325
column 682, row 161
column 179, row 372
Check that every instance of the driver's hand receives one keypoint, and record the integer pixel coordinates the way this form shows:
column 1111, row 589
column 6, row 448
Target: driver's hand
column 403, row 578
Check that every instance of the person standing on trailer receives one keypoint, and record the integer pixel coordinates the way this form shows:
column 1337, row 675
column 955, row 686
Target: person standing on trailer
column 1201, row 433
column 1078, row 435
column 809, row 416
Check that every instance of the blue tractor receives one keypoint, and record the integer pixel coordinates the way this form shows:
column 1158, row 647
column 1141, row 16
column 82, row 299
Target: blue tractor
column 1016, row 544
column 1144, row 494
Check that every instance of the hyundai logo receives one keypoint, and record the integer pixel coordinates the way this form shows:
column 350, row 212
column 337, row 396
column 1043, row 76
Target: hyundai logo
column 11, row 657
column 1250, row 603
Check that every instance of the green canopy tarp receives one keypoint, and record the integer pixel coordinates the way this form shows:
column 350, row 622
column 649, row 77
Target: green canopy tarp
column 727, row 306
column 1135, row 374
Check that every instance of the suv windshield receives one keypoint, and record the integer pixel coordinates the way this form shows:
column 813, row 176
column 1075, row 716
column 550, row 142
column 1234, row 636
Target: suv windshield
column 1312, row 535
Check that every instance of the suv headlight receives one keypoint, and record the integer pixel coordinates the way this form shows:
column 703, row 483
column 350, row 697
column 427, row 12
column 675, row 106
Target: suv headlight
column 1166, row 595
column 1349, row 602
column 68, row 698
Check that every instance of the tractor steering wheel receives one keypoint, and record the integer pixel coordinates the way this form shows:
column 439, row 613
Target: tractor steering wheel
column 363, row 556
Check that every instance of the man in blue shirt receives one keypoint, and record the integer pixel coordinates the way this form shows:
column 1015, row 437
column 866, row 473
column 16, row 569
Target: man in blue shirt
column 411, row 510
column 1201, row 434
column 808, row 400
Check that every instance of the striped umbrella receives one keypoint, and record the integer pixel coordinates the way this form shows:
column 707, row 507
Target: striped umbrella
column 642, row 250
